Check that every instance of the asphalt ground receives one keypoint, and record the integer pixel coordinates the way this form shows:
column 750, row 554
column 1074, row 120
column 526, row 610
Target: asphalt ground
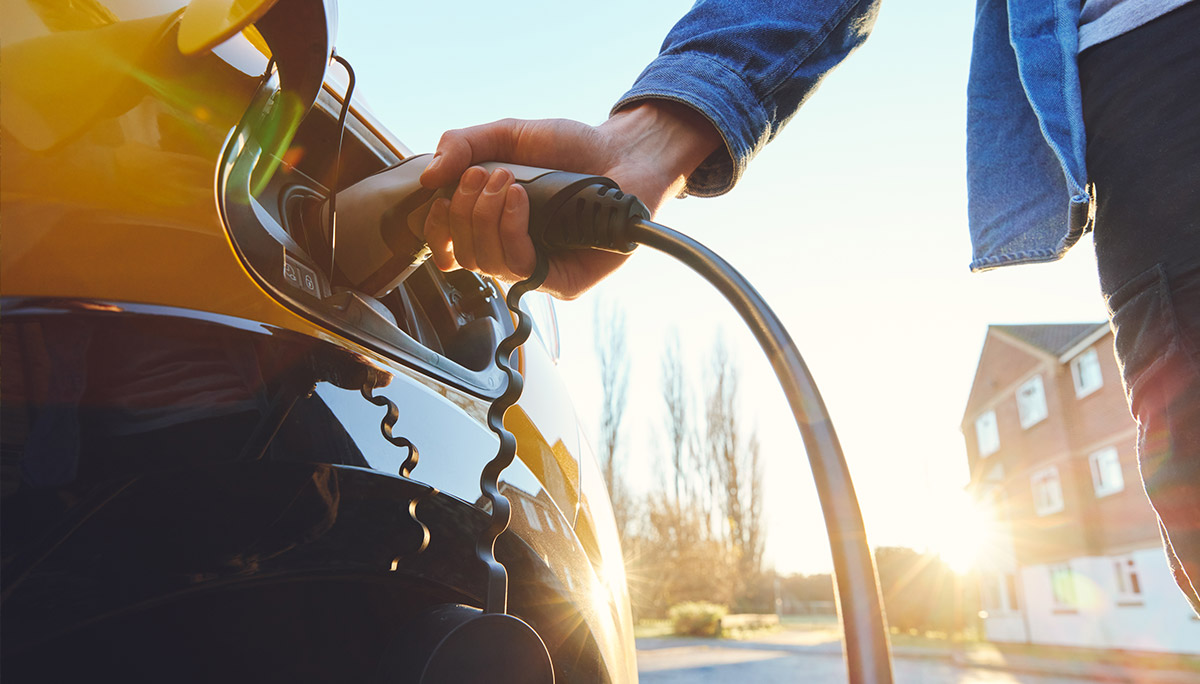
column 792, row 657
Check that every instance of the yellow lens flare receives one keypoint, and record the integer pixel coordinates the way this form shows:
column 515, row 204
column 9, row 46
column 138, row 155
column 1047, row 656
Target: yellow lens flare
column 962, row 533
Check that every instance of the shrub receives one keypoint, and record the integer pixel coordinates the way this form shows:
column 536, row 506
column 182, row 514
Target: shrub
column 697, row 618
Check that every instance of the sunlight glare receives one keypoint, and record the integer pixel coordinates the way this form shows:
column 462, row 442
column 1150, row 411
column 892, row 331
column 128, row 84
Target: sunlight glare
column 962, row 532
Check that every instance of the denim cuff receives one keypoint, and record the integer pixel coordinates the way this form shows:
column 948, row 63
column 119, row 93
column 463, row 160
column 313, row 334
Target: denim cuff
column 723, row 98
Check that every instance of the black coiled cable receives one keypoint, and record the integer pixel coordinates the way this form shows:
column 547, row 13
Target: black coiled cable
column 496, row 600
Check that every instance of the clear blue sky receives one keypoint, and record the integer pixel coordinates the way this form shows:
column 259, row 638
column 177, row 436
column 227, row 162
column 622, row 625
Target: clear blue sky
column 851, row 224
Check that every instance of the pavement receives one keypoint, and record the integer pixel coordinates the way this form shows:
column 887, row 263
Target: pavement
column 986, row 656
column 975, row 656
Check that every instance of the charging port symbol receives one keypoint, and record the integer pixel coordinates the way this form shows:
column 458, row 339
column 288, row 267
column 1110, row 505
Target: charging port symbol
column 301, row 277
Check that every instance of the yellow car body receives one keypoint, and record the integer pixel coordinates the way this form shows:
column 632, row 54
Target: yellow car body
column 156, row 287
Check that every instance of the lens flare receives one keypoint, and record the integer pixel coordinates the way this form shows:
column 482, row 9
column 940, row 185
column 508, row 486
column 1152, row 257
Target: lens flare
column 962, row 533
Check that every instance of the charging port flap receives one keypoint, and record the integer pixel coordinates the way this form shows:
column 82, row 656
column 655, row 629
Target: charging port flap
column 447, row 325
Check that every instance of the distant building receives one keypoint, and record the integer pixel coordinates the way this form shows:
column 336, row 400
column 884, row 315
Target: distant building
column 1052, row 452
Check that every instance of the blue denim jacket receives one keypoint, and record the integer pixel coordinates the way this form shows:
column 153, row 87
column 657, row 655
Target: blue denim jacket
column 748, row 65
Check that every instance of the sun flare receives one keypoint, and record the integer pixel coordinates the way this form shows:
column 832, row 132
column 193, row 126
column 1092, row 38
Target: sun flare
column 962, row 532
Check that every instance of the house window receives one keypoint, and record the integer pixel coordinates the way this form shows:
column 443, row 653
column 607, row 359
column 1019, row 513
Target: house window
column 987, row 434
column 1000, row 593
column 1031, row 402
column 991, row 587
column 1129, row 585
column 1062, row 587
column 1085, row 371
column 1106, row 472
column 1047, row 491
column 531, row 515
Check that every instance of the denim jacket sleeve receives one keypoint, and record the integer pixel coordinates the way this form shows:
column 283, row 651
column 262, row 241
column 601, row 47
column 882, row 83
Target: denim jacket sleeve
column 748, row 65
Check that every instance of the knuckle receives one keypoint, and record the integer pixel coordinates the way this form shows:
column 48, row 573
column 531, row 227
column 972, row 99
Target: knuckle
column 492, row 267
column 484, row 214
column 461, row 210
column 465, row 262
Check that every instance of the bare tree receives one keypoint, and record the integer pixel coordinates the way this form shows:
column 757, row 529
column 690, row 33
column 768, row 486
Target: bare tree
column 614, row 385
column 722, row 442
column 734, row 461
column 755, row 525
column 678, row 423
column 701, row 538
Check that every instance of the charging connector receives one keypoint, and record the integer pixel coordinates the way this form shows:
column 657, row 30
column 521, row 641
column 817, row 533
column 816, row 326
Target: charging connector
column 381, row 217
column 589, row 213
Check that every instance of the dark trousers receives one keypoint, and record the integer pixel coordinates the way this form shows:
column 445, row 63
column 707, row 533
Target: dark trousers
column 1141, row 105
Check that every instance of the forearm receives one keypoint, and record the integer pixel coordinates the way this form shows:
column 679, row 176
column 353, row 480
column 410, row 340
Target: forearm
column 746, row 67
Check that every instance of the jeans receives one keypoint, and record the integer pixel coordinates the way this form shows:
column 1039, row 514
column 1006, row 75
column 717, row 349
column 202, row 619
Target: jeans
column 1141, row 107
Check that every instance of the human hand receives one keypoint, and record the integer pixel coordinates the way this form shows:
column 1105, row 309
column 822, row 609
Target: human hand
column 649, row 150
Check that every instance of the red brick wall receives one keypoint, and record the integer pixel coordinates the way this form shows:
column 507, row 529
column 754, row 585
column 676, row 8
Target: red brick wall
column 1049, row 438
column 1073, row 429
column 1048, row 538
column 1103, row 412
column 1125, row 519
column 1001, row 364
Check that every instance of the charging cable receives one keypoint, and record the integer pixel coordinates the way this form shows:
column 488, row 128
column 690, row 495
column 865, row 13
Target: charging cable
column 597, row 215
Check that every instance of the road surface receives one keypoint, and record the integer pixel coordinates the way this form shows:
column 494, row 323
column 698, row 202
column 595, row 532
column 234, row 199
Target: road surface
column 667, row 661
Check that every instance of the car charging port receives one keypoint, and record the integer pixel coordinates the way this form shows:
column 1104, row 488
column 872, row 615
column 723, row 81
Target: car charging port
column 300, row 211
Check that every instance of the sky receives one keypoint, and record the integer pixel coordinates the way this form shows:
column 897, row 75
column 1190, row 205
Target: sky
column 852, row 225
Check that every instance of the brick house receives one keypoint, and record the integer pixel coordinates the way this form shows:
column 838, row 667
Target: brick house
column 1076, row 558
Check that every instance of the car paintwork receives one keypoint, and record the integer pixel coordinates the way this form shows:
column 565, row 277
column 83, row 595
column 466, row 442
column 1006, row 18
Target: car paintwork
column 111, row 138
column 208, row 23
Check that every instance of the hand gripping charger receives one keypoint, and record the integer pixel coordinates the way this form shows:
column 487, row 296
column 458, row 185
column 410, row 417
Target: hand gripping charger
column 380, row 219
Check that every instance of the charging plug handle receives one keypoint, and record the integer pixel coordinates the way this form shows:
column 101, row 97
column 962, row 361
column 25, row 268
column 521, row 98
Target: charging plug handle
column 381, row 216
column 578, row 211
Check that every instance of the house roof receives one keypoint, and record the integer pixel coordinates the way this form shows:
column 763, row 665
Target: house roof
column 1052, row 339
column 1055, row 338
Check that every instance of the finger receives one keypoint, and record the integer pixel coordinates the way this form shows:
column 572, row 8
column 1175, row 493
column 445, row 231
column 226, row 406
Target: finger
column 514, row 232
column 462, row 210
column 458, row 149
column 485, row 221
column 437, row 235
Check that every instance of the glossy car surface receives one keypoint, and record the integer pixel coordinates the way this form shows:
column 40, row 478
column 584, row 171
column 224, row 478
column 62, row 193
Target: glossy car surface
column 195, row 479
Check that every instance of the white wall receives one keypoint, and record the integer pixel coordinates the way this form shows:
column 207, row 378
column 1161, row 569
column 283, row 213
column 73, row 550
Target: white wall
column 1005, row 627
column 1162, row 621
column 1002, row 624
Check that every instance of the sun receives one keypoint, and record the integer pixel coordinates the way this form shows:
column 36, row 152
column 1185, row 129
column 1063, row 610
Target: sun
column 961, row 532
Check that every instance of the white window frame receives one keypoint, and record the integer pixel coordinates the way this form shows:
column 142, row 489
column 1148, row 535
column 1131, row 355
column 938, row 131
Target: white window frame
column 986, row 426
column 1047, row 497
column 1107, row 477
column 1009, row 581
column 1128, row 579
column 1063, row 594
column 1091, row 360
column 531, row 514
column 1032, row 411
column 992, row 596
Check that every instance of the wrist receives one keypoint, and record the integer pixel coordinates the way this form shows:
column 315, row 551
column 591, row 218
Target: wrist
column 669, row 137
